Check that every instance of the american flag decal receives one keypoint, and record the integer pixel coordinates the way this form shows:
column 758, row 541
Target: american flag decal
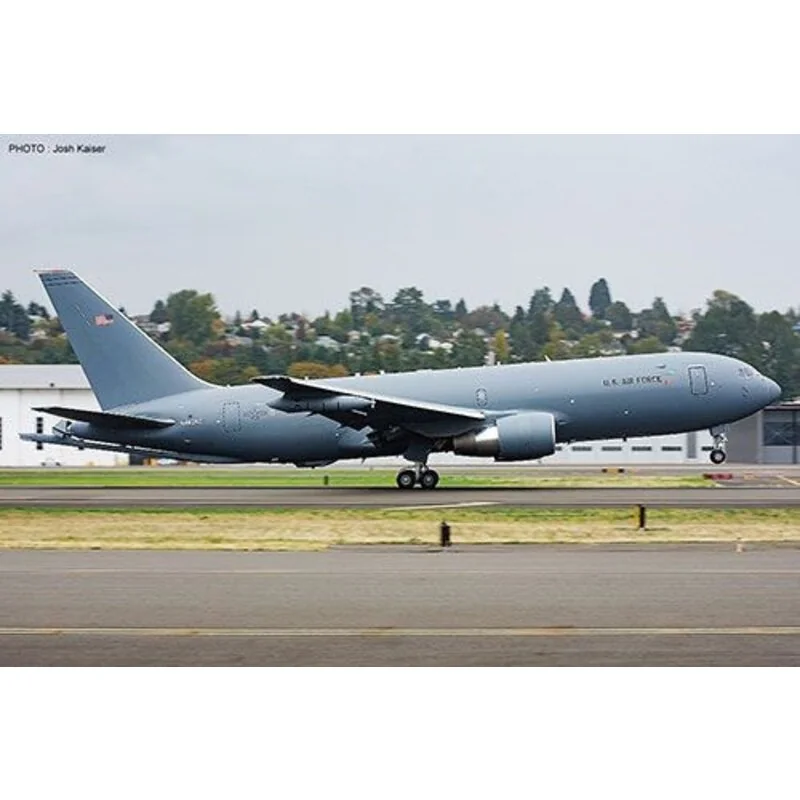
column 102, row 320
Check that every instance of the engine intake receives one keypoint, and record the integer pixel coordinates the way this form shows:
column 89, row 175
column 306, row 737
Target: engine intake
column 516, row 438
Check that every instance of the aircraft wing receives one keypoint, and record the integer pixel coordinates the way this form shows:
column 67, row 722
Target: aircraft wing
column 106, row 419
column 358, row 408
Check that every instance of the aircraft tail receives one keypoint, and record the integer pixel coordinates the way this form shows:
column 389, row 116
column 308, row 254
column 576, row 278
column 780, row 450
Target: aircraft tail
column 123, row 364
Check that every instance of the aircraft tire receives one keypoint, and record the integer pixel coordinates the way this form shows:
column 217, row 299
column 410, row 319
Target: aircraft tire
column 717, row 456
column 429, row 479
column 406, row 479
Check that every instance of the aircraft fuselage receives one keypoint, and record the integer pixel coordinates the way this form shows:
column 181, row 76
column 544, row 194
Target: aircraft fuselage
column 590, row 399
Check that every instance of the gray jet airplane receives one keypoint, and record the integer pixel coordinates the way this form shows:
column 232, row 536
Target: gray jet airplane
column 152, row 406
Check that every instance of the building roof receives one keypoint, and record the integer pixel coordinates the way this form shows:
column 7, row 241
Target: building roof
column 42, row 376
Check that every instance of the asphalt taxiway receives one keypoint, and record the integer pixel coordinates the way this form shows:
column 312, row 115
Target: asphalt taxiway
column 545, row 605
column 721, row 496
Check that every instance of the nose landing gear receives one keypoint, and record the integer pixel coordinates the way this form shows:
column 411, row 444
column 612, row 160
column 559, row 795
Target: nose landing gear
column 421, row 475
column 719, row 452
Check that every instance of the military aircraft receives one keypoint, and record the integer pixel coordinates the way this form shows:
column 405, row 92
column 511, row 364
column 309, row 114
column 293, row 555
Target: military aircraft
column 152, row 406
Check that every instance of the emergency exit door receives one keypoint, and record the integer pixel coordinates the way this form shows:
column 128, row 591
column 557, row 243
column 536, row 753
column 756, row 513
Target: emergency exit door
column 698, row 380
column 231, row 417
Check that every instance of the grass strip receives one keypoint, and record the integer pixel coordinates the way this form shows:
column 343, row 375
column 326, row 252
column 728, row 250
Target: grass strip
column 284, row 529
column 367, row 477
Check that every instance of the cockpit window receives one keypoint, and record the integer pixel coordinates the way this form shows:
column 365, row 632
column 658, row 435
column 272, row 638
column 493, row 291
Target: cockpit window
column 746, row 372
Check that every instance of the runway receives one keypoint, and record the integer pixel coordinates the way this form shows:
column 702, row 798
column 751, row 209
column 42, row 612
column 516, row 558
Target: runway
column 721, row 496
column 546, row 605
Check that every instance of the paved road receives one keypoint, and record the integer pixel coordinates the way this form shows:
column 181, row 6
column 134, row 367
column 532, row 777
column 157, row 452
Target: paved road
column 333, row 497
column 679, row 605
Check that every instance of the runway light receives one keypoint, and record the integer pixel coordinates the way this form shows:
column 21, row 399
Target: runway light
column 444, row 534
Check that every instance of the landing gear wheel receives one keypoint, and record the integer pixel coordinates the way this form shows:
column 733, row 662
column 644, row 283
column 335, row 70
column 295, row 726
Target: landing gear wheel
column 429, row 479
column 406, row 479
column 717, row 456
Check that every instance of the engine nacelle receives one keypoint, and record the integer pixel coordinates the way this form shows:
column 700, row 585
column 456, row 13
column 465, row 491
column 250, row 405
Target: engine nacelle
column 519, row 437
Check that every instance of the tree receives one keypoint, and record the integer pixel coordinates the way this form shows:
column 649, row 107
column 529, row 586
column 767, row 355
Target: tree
column 781, row 352
column 192, row 316
column 541, row 302
column 520, row 337
column 365, row 301
column 489, row 318
column 600, row 343
column 13, row 317
column 656, row 321
column 36, row 310
column 649, row 344
column 729, row 327
column 444, row 310
column 568, row 315
column 410, row 311
column 316, row 369
column 599, row 298
column 159, row 314
column 469, row 350
column 500, row 346
column 539, row 319
column 620, row 317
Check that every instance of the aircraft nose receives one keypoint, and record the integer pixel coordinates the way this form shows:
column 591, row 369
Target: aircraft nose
column 772, row 390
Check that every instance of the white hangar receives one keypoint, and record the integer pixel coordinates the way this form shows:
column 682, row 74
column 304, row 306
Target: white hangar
column 26, row 386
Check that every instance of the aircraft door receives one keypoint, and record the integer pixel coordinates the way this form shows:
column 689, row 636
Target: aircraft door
column 698, row 380
column 231, row 417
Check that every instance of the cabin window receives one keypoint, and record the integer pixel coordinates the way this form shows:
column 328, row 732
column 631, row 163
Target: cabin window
column 581, row 448
column 641, row 448
column 611, row 448
column 39, row 429
column 671, row 448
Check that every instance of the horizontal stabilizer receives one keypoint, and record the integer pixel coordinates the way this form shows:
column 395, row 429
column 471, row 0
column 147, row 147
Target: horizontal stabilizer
column 106, row 419
column 84, row 444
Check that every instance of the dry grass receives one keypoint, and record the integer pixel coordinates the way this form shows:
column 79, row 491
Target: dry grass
column 308, row 530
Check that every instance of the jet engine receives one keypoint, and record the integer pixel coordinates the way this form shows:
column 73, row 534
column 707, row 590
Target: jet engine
column 518, row 437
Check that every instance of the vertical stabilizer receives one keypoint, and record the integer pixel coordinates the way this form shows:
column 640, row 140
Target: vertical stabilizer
column 123, row 364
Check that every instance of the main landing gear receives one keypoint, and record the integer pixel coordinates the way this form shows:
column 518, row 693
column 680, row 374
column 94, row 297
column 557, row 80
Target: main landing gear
column 719, row 452
column 421, row 475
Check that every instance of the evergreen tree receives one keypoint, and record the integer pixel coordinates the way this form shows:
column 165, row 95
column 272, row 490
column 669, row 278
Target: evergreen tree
column 13, row 317
column 599, row 298
column 159, row 313
column 541, row 302
column 539, row 319
column 36, row 310
column 729, row 327
column 656, row 321
column 567, row 314
column 365, row 301
column 620, row 317
column 781, row 352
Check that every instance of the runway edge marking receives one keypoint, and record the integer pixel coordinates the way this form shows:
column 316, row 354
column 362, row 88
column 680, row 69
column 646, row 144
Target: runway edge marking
column 750, row 630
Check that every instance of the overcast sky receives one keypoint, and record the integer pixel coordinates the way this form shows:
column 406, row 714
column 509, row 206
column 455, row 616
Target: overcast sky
column 285, row 223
